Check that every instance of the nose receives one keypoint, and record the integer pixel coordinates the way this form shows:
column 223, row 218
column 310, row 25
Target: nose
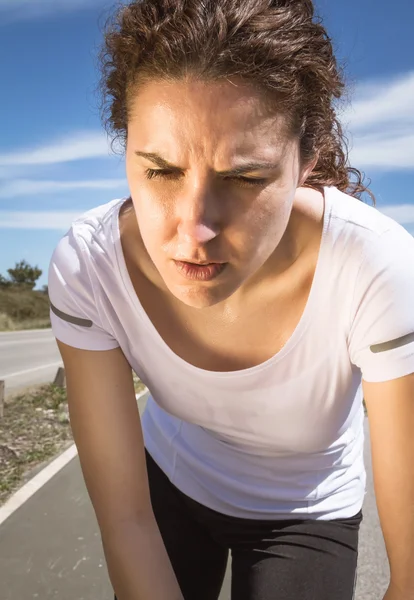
column 197, row 233
column 198, row 221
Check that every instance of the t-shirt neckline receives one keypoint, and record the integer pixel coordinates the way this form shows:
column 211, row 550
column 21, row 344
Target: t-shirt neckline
column 289, row 345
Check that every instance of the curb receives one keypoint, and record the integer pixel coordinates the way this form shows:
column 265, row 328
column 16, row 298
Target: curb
column 38, row 481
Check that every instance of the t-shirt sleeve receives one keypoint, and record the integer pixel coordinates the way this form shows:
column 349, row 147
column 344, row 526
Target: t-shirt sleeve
column 73, row 302
column 381, row 339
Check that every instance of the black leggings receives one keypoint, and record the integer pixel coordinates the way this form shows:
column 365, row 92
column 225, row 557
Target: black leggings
column 290, row 559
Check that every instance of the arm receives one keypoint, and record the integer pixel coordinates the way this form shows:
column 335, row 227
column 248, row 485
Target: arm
column 107, row 431
column 390, row 407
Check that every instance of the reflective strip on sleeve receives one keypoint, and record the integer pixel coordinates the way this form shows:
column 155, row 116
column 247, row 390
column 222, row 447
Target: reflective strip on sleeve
column 402, row 341
column 70, row 319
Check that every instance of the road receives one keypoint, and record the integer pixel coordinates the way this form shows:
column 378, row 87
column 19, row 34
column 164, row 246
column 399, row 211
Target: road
column 50, row 548
column 28, row 358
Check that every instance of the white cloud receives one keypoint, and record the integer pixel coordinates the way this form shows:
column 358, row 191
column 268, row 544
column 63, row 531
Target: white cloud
column 59, row 220
column 382, row 101
column 14, row 10
column 380, row 124
column 78, row 146
column 26, row 187
column 383, row 152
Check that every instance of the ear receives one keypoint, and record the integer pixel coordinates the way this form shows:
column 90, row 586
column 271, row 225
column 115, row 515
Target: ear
column 308, row 170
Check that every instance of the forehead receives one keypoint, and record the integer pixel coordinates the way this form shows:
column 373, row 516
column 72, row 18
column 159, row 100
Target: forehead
column 225, row 112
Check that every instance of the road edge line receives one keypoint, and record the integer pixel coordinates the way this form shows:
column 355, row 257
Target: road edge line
column 40, row 479
column 34, row 484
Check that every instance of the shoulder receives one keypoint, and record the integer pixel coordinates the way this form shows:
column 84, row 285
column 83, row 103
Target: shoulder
column 363, row 220
column 365, row 236
column 393, row 247
column 385, row 277
column 382, row 316
column 90, row 235
column 97, row 225
column 86, row 248
column 74, row 280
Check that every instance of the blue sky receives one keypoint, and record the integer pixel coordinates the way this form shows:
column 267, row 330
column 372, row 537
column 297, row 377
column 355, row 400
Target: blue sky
column 54, row 157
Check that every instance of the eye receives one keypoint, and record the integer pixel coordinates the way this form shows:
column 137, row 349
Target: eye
column 161, row 174
column 249, row 181
column 173, row 175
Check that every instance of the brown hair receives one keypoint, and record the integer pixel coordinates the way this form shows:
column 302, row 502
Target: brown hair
column 277, row 44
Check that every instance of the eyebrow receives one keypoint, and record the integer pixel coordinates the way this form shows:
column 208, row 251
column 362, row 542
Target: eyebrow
column 158, row 160
column 245, row 168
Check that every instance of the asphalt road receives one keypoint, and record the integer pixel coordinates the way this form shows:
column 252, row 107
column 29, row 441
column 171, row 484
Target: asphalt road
column 28, row 358
column 50, row 548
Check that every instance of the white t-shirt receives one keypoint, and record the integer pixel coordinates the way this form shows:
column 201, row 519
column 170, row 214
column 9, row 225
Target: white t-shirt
column 280, row 439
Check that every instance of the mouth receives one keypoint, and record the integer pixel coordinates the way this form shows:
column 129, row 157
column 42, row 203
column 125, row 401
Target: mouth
column 205, row 271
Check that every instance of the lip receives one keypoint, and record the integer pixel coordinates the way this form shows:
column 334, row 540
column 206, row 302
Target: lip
column 200, row 271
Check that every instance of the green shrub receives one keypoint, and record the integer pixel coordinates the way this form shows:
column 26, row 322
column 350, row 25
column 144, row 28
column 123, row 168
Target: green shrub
column 6, row 323
column 23, row 308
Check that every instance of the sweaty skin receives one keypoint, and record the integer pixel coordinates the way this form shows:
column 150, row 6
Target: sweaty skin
column 214, row 177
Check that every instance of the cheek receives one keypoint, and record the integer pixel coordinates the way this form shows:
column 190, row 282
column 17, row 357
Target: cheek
column 266, row 219
column 154, row 219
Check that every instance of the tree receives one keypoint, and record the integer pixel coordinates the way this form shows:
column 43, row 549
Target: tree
column 4, row 282
column 24, row 274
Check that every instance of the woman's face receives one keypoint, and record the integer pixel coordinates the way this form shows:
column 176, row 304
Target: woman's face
column 212, row 175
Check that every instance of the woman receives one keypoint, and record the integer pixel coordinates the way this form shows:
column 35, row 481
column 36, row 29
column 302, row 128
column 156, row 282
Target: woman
column 251, row 291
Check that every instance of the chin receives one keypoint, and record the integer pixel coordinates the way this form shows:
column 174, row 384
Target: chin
column 198, row 296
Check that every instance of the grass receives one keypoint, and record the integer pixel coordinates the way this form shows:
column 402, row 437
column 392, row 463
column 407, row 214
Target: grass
column 8, row 324
column 34, row 429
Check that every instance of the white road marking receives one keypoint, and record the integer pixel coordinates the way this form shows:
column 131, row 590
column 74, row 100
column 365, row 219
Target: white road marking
column 49, row 366
column 39, row 480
